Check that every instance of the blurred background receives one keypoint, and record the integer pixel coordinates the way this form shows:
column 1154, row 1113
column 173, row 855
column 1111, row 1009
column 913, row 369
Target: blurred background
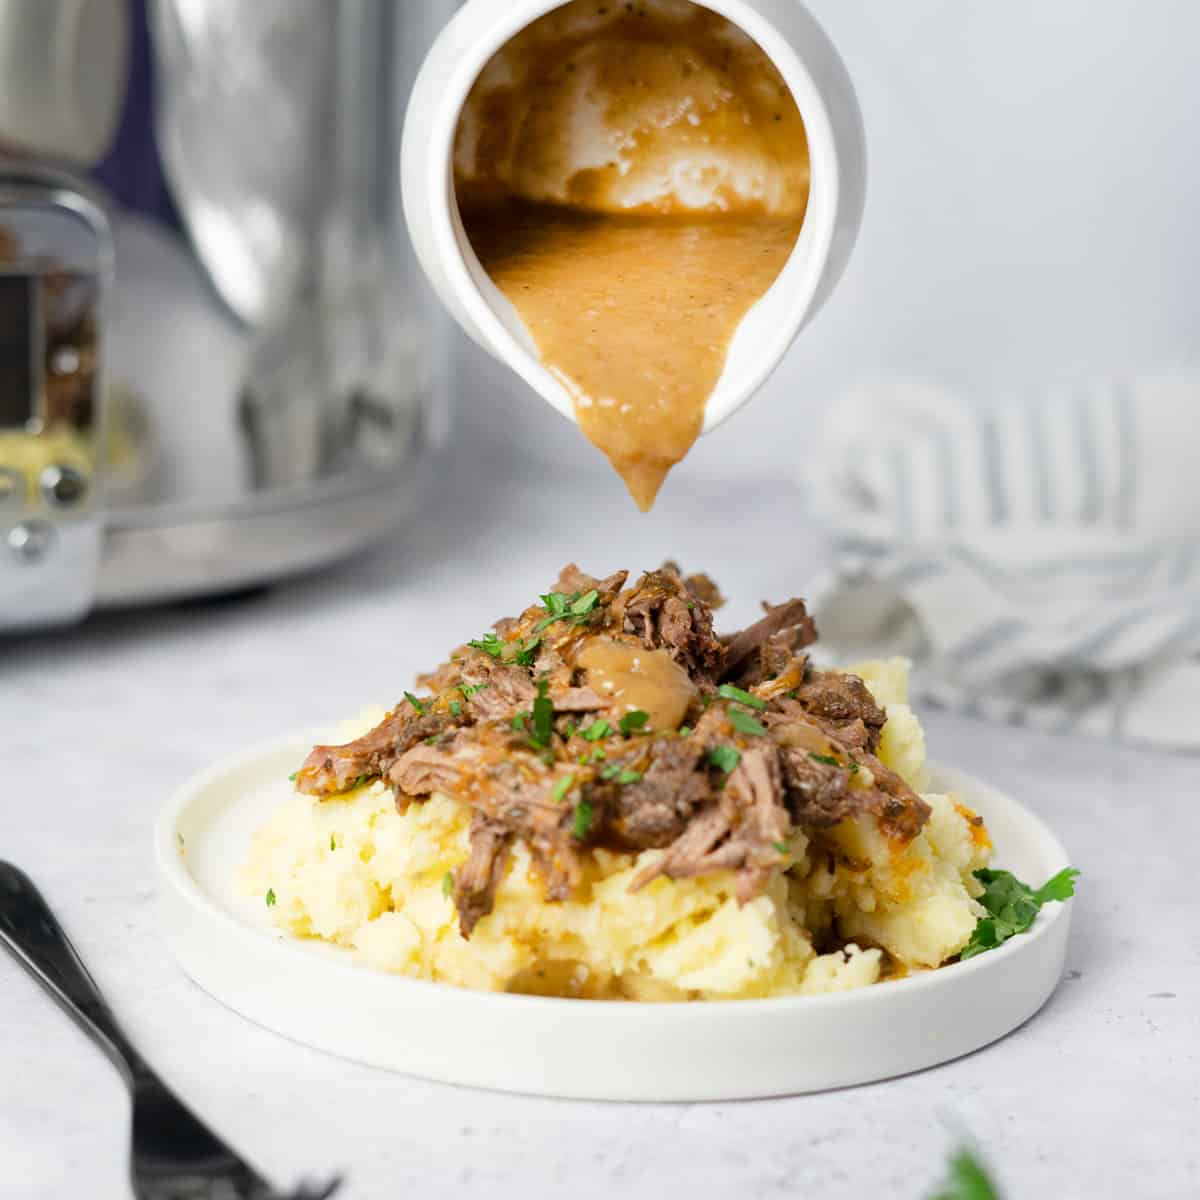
column 199, row 205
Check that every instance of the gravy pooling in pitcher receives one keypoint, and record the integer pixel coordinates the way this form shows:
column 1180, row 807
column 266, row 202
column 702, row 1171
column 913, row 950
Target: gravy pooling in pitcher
column 633, row 178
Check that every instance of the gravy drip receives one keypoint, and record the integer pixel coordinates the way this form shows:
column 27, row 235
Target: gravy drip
column 637, row 678
column 633, row 178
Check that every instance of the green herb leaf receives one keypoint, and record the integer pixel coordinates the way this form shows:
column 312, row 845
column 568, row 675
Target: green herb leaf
column 543, row 716
column 621, row 774
column 360, row 781
column 598, row 729
column 1012, row 906
column 561, row 607
column 518, row 721
column 455, row 708
column 827, row 759
column 743, row 722
column 528, row 652
column 270, row 897
column 725, row 757
column 415, row 702
column 634, row 720
column 562, row 787
column 333, row 841
column 1059, row 887
column 735, row 693
column 684, row 730
column 854, row 768
column 782, row 847
column 489, row 644
column 582, row 605
column 568, row 728
column 583, row 819
column 597, row 755
column 968, row 1180
column 471, row 689
column 292, row 776
column 447, row 884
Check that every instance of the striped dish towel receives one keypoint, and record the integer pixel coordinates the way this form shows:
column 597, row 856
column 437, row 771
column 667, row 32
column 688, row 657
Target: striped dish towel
column 1039, row 559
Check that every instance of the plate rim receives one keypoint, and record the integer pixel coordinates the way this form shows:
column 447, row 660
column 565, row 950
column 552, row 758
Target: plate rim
column 173, row 873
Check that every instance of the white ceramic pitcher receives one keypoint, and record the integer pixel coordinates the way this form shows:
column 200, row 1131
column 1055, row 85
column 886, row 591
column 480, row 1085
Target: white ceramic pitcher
column 818, row 80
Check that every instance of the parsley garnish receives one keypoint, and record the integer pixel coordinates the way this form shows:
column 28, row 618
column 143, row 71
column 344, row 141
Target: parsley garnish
column 471, row 689
column 270, row 897
column 725, row 757
column 743, row 722
column 333, row 841
column 968, row 1180
column 447, row 884
column 415, row 702
column 489, row 644
column 583, row 819
column 621, row 774
column 568, row 729
column 292, row 776
column 518, row 721
column 827, row 759
column 562, row 787
column 561, row 607
column 543, row 716
column 598, row 729
column 782, row 847
column 684, row 730
column 528, row 652
column 1013, row 906
column 735, row 693
column 360, row 781
column 597, row 755
column 455, row 708
column 634, row 720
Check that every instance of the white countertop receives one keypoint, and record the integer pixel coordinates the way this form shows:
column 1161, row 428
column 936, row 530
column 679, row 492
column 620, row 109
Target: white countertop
column 1098, row 1095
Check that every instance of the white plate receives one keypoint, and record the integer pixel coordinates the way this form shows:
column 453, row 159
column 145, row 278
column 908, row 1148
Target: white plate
column 318, row 995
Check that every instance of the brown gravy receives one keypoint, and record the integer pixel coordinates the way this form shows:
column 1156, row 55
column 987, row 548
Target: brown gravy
column 631, row 273
column 637, row 678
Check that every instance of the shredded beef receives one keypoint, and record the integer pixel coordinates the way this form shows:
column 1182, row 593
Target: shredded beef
column 513, row 728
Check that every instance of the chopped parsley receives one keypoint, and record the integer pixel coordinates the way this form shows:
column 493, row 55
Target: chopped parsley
column 292, row 776
column 543, row 716
column 782, row 847
column 684, row 730
column 528, row 652
column 725, row 757
column 333, row 841
column 561, row 607
column 518, row 721
column 568, row 729
column 735, row 693
column 854, row 768
column 447, row 884
column 471, row 689
column 1013, row 906
column 968, row 1180
column 583, row 819
column 562, row 787
column 634, row 720
column 489, row 644
column 743, row 722
column 621, row 774
column 598, row 729
column 270, row 897
column 597, row 755
column 360, row 781
column 415, row 702
column 455, row 708
column 827, row 759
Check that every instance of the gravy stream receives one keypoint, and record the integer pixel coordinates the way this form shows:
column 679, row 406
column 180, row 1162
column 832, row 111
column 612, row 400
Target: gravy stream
column 634, row 314
column 633, row 178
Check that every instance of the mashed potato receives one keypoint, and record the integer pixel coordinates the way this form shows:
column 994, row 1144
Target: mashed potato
column 353, row 871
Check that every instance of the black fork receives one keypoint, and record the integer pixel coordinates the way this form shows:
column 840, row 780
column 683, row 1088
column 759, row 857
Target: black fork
column 174, row 1155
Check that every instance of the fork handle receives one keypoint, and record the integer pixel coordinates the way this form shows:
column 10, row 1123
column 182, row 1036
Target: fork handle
column 30, row 931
